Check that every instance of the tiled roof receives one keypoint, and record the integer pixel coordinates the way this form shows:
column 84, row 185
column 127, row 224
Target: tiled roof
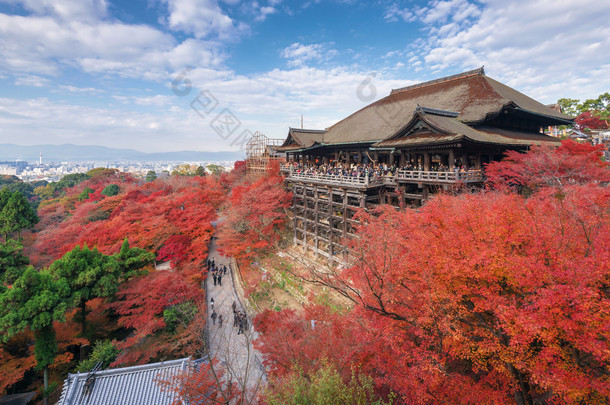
column 442, row 127
column 301, row 138
column 137, row 385
column 472, row 94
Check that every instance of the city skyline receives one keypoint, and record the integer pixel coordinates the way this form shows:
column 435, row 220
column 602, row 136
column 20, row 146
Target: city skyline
column 171, row 75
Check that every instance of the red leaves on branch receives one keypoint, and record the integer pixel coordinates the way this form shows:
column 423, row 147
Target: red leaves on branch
column 141, row 302
column 590, row 120
column 255, row 217
column 289, row 338
column 571, row 163
column 489, row 294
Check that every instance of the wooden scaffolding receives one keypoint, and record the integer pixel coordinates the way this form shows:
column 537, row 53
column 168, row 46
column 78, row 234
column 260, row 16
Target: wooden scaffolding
column 260, row 153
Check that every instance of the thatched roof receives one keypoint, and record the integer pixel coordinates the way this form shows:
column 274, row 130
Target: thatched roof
column 473, row 95
column 432, row 126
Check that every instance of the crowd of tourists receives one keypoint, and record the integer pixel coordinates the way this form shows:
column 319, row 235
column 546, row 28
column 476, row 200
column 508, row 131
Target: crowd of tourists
column 374, row 171
column 216, row 271
column 240, row 319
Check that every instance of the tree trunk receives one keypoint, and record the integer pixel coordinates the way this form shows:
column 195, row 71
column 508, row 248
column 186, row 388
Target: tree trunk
column 83, row 319
column 46, row 385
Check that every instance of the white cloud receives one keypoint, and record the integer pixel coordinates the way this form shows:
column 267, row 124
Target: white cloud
column 203, row 19
column 82, row 10
column 43, row 45
column 31, row 81
column 545, row 48
column 394, row 13
column 298, row 54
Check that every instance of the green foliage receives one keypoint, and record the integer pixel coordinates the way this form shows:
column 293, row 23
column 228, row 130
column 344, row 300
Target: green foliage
column 215, row 169
column 35, row 300
column 88, row 274
column 12, row 261
column 85, row 194
column 71, row 180
column 132, row 260
column 325, row 387
column 45, row 347
column 103, row 351
column 111, row 190
column 180, row 314
column 151, row 176
column 15, row 213
column 601, row 106
column 200, row 171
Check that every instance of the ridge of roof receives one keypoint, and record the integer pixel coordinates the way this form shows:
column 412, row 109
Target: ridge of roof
column 316, row 131
column 133, row 369
column 475, row 72
column 436, row 111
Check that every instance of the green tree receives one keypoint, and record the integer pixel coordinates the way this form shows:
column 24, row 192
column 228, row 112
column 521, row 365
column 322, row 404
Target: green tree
column 12, row 261
column 200, row 171
column 16, row 214
column 103, row 351
column 5, row 195
column 71, row 180
column 89, row 274
column 325, row 387
column 131, row 260
column 215, row 169
column 111, row 190
column 600, row 106
column 35, row 300
column 85, row 194
column 151, row 176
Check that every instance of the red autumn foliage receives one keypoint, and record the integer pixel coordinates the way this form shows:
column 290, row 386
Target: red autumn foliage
column 171, row 217
column 140, row 304
column 484, row 298
column 201, row 384
column 287, row 338
column 571, row 163
column 590, row 120
column 174, row 249
column 255, row 216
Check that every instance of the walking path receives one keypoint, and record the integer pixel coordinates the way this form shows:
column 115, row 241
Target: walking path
column 234, row 352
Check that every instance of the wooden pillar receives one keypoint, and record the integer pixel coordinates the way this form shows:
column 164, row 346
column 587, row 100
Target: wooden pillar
column 426, row 161
column 295, row 219
column 316, row 221
column 478, row 164
column 337, row 156
column 344, row 214
column 391, row 160
column 359, row 157
column 304, row 216
column 402, row 158
column 451, row 159
column 375, row 156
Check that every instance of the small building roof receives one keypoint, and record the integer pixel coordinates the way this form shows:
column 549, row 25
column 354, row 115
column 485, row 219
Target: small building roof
column 301, row 138
column 474, row 95
column 137, row 385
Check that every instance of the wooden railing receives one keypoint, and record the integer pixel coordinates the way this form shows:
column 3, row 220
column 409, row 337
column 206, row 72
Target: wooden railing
column 419, row 176
column 475, row 176
column 341, row 180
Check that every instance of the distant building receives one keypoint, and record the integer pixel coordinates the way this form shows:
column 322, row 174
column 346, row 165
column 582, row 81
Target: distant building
column 137, row 385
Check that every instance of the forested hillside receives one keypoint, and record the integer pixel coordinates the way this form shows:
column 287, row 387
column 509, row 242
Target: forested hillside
column 496, row 296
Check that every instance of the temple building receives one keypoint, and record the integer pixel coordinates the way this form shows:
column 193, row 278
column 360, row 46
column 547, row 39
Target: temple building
column 418, row 140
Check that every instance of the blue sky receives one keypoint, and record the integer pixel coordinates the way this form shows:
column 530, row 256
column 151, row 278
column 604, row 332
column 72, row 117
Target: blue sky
column 100, row 72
